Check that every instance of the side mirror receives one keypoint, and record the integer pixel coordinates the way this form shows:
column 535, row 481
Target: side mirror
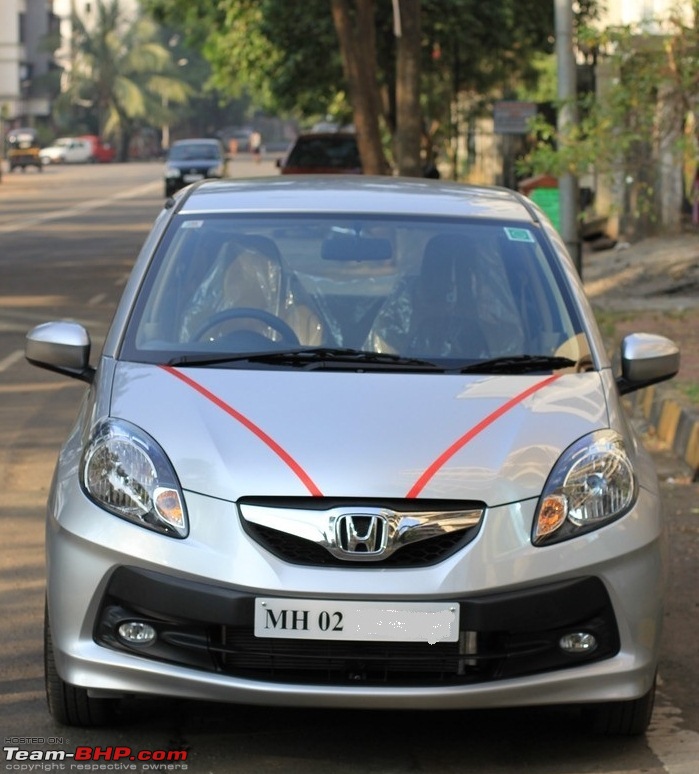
column 63, row 347
column 646, row 359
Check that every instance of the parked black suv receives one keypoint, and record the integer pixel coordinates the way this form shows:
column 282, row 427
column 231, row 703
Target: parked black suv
column 322, row 153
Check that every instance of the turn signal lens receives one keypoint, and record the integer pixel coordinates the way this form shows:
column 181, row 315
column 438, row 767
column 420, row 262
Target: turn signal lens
column 552, row 513
column 168, row 504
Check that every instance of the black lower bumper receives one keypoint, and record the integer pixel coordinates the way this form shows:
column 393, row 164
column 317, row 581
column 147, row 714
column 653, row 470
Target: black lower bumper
column 504, row 635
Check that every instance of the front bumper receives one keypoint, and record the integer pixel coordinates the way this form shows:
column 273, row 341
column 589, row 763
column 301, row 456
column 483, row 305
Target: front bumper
column 516, row 602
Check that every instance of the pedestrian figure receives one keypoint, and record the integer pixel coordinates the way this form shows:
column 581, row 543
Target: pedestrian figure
column 256, row 146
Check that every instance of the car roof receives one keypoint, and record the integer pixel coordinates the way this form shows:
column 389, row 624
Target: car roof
column 365, row 193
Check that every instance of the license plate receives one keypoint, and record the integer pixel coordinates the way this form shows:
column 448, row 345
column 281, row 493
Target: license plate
column 322, row 619
column 192, row 178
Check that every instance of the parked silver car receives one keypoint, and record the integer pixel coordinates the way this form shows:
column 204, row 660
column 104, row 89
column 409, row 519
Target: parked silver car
column 354, row 442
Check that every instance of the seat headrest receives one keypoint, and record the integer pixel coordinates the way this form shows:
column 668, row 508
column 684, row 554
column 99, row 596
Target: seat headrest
column 261, row 244
column 446, row 275
column 252, row 278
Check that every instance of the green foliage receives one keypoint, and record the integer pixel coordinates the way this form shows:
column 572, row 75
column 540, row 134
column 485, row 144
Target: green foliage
column 645, row 110
column 285, row 56
column 286, row 53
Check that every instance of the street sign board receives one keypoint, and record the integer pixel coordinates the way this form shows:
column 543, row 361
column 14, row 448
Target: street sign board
column 513, row 116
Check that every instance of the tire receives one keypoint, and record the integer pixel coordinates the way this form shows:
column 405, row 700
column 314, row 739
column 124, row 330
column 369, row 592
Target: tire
column 68, row 704
column 622, row 718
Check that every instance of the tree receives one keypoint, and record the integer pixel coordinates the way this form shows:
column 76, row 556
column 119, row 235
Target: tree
column 287, row 56
column 409, row 120
column 356, row 32
column 121, row 72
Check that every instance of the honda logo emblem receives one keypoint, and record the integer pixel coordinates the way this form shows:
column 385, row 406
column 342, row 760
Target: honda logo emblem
column 361, row 534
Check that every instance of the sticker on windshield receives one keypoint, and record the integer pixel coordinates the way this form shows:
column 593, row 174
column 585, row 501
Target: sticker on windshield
column 193, row 224
column 519, row 235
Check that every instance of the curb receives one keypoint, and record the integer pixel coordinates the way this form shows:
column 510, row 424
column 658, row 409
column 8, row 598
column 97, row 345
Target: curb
column 673, row 424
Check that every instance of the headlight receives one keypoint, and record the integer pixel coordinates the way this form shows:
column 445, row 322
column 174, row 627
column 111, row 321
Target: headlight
column 216, row 171
column 591, row 484
column 172, row 172
column 125, row 472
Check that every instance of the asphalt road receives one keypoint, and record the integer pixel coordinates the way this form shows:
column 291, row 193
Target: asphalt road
column 68, row 237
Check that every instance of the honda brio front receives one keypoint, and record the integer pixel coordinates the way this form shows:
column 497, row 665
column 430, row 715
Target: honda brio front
column 354, row 443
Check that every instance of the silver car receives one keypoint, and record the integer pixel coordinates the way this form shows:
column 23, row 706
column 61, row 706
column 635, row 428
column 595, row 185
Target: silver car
column 354, row 442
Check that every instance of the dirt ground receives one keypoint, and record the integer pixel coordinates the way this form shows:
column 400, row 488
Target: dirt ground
column 651, row 286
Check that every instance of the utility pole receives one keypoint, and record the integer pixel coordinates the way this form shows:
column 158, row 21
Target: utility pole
column 567, row 119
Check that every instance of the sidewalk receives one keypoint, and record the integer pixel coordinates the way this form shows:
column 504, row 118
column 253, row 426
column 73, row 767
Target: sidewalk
column 653, row 286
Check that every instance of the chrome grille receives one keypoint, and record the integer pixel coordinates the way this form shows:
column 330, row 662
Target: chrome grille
column 339, row 533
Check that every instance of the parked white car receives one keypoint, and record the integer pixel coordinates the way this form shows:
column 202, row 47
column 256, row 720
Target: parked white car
column 67, row 150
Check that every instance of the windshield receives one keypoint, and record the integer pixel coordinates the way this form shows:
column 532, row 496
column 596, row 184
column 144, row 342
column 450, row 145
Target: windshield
column 192, row 151
column 440, row 292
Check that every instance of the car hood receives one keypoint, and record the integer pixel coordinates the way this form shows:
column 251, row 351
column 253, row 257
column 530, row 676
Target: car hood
column 232, row 433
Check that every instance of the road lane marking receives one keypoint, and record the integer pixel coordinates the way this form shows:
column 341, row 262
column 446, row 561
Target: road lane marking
column 6, row 389
column 79, row 209
column 98, row 299
column 11, row 359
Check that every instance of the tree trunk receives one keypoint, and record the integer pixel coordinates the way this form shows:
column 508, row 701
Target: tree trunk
column 408, row 113
column 358, row 51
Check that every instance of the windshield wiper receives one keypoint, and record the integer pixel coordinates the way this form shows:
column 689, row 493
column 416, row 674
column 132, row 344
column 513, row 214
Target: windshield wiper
column 517, row 364
column 310, row 358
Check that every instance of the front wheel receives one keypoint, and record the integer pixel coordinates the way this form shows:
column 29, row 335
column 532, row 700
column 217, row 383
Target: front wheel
column 69, row 704
column 622, row 718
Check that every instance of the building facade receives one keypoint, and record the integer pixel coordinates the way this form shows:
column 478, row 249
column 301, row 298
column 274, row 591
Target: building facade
column 643, row 12
column 35, row 37
column 26, row 62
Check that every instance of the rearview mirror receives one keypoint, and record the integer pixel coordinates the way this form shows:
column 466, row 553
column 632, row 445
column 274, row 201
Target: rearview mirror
column 352, row 247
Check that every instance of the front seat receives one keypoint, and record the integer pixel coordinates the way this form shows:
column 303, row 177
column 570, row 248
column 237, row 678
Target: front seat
column 444, row 320
column 248, row 274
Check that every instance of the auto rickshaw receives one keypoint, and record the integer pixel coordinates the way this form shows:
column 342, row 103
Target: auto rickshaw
column 23, row 149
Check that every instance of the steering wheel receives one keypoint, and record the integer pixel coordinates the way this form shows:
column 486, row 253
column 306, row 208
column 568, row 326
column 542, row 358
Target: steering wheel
column 245, row 312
